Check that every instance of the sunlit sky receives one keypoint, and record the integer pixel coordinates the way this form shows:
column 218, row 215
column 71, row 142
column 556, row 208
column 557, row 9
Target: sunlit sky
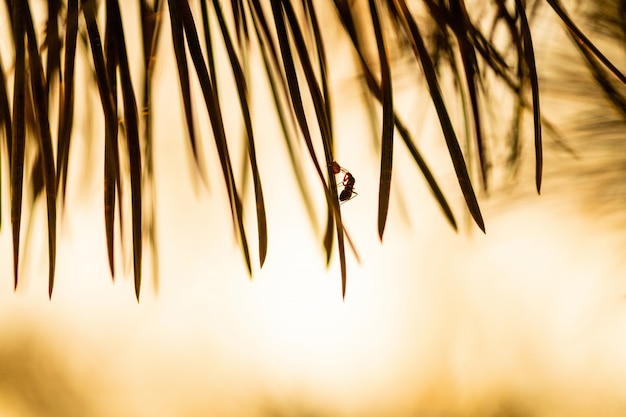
column 528, row 318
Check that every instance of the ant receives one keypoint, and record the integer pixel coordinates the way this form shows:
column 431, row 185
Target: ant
column 348, row 192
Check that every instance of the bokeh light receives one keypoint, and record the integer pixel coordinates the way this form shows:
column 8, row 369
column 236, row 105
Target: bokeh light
column 525, row 320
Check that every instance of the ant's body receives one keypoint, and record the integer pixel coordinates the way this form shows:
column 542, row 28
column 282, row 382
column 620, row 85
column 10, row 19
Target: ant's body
column 348, row 192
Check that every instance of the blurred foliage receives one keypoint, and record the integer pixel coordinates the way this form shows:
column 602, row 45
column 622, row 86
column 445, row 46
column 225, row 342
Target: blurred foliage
column 483, row 45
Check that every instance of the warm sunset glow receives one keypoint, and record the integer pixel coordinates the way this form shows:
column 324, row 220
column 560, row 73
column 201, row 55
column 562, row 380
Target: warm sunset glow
column 527, row 320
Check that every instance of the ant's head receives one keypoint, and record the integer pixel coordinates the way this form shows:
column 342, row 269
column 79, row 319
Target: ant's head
column 335, row 167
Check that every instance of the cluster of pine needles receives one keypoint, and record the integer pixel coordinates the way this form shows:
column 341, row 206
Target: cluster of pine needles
column 287, row 34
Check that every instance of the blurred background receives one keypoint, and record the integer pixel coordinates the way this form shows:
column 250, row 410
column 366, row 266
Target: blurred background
column 528, row 319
